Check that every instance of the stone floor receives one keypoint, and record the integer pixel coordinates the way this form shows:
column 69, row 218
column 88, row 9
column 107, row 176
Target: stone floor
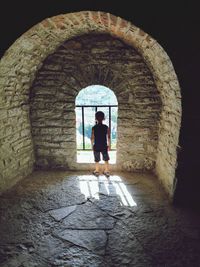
column 75, row 219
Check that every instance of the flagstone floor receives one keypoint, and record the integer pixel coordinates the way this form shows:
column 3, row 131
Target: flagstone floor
column 57, row 218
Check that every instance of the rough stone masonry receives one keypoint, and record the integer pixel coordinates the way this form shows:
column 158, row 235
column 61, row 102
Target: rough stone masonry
column 24, row 63
column 90, row 60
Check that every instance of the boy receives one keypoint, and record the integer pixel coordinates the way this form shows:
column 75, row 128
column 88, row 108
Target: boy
column 100, row 140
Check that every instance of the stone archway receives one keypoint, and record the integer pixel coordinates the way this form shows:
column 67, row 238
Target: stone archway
column 77, row 63
column 21, row 62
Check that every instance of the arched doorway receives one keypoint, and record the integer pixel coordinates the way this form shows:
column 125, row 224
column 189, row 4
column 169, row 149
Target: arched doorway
column 88, row 101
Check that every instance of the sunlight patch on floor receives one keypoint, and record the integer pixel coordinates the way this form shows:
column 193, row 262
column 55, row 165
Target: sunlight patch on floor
column 93, row 187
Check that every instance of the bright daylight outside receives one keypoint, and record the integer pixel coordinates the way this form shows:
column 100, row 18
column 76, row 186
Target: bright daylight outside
column 90, row 100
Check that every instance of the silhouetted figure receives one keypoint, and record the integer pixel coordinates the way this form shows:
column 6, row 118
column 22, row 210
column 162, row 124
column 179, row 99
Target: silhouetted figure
column 100, row 140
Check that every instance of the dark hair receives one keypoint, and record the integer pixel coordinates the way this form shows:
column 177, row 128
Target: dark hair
column 99, row 116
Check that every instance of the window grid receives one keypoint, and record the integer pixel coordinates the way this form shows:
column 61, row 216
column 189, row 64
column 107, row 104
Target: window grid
column 96, row 109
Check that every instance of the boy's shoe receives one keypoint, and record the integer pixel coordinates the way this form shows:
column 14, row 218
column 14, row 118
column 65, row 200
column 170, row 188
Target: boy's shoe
column 107, row 174
column 95, row 173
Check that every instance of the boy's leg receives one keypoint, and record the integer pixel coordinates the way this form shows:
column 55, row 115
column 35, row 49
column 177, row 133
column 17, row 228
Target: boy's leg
column 96, row 167
column 106, row 166
column 106, row 159
column 96, row 159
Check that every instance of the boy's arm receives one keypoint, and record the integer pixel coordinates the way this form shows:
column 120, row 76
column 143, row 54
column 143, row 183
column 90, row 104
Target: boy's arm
column 108, row 138
column 92, row 138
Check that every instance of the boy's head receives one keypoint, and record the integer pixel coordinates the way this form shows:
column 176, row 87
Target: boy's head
column 99, row 116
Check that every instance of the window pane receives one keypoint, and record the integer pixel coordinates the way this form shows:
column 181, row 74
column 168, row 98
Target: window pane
column 96, row 95
column 89, row 119
column 79, row 131
column 114, row 111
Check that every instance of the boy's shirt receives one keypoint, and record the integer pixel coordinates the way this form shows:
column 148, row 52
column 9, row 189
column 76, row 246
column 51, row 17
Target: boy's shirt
column 100, row 136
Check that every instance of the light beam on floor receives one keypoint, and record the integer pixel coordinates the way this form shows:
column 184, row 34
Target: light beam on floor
column 91, row 187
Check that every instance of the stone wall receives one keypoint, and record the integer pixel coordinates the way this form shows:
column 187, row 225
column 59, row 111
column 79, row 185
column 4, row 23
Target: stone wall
column 16, row 152
column 19, row 66
column 77, row 63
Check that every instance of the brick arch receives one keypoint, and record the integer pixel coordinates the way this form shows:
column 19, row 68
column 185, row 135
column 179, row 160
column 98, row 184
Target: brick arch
column 22, row 60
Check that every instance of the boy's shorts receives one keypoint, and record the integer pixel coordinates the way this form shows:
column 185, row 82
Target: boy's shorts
column 104, row 154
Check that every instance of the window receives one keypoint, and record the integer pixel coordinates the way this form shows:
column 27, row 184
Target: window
column 90, row 100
